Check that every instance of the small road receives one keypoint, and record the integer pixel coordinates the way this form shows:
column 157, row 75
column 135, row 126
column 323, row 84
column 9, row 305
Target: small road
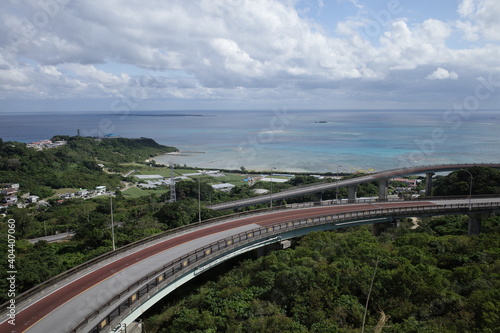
column 53, row 238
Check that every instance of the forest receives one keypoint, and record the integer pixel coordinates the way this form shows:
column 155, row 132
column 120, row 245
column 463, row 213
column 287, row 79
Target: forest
column 74, row 165
column 433, row 278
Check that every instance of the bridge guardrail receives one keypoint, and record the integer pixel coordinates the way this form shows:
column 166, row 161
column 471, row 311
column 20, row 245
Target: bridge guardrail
column 386, row 173
column 182, row 265
column 60, row 277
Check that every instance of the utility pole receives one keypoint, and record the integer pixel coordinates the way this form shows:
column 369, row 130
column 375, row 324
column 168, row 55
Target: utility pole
column 112, row 223
column 369, row 294
column 470, row 188
column 337, row 180
column 173, row 197
column 271, row 196
column 199, row 201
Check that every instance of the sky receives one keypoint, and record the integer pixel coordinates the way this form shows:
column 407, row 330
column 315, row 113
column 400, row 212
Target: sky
column 125, row 55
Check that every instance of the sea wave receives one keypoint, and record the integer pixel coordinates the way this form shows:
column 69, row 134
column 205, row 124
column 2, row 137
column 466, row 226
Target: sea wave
column 346, row 133
column 272, row 131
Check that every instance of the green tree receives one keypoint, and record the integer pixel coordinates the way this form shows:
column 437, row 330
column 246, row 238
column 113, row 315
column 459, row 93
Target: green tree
column 25, row 222
column 484, row 181
column 178, row 213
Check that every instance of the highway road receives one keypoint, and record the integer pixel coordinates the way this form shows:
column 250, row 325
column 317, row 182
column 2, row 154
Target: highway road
column 315, row 188
column 60, row 308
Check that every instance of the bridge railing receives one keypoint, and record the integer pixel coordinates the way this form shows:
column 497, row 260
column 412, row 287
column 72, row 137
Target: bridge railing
column 382, row 174
column 127, row 301
column 29, row 294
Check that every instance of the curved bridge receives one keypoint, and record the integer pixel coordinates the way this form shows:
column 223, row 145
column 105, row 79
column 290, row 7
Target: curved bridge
column 318, row 188
column 107, row 294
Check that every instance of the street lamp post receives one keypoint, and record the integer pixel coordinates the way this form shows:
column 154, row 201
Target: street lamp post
column 271, row 196
column 470, row 188
column 199, row 201
column 337, row 180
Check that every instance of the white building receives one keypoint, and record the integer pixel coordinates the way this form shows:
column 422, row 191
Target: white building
column 82, row 192
column 11, row 199
column 100, row 189
column 223, row 187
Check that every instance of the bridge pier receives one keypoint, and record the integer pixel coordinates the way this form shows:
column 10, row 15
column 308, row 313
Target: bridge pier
column 474, row 225
column 380, row 227
column 135, row 327
column 318, row 197
column 428, row 183
column 352, row 193
column 383, row 185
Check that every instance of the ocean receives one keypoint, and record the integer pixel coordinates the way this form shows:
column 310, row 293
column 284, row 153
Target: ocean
column 298, row 141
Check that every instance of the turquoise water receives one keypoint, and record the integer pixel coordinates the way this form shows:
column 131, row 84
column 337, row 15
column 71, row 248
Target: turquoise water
column 313, row 141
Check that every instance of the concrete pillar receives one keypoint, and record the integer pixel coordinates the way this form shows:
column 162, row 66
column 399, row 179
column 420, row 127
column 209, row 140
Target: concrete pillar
column 474, row 226
column 352, row 193
column 428, row 183
column 318, row 197
column 380, row 227
column 383, row 184
column 134, row 327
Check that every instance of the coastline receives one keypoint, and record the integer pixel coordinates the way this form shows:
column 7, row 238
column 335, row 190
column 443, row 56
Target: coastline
column 264, row 162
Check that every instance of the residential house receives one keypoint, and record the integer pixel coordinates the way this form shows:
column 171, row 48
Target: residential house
column 10, row 200
column 100, row 190
column 11, row 185
column 9, row 188
column 33, row 198
column 82, row 193
column 8, row 191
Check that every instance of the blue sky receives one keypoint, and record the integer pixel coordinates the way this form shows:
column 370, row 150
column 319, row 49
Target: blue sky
column 245, row 54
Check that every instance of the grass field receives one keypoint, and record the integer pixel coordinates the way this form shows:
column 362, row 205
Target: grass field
column 135, row 192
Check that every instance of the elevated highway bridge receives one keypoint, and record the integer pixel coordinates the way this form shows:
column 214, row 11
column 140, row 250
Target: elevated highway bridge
column 109, row 293
column 382, row 177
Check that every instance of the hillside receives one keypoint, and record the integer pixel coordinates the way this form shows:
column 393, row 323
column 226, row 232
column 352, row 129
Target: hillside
column 74, row 165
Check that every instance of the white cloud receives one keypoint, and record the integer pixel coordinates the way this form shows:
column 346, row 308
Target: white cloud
column 470, row 32
column 485, row 14
column 466, row 8
column 442, row 74
column 407, row 48
column 231, row 49
column 90, row 73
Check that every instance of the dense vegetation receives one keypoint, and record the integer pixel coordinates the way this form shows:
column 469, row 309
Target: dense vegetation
column 484, row 181
column 115, row 150
column 427, row 280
